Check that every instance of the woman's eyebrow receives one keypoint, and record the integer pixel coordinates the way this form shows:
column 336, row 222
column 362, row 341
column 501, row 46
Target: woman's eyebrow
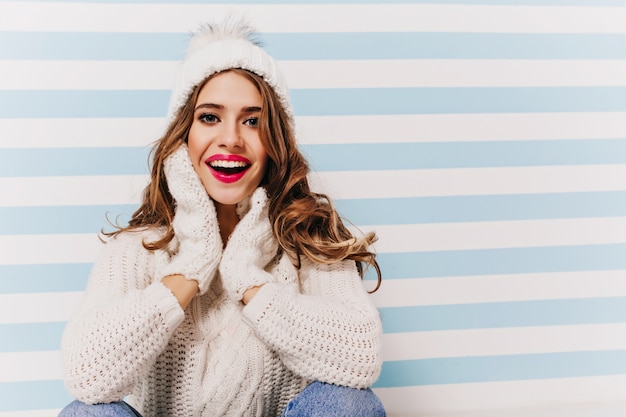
column 250, row 109
column 209, row 106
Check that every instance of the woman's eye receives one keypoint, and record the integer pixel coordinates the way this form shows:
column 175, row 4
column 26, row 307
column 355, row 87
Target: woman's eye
column 253, row 121
column 208, row 118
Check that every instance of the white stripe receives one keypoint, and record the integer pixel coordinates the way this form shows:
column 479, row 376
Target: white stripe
column 139, row 75
column 474, row 181
column 58, row 306
column 51, row 307
column 127, row 189
column 500, row 288
column 454, row 73
column 61, row 191
column 616, row 409
column 49, row 249
column 34, row 413
column 610, row 408
column 30, row 366
column 584, row 410
column 507, row 341
column 26, row 366
column 98, row 17
column 459, row 127
column 119, row 132
column 599, row 396
column 498, row 234
column 75, row 248
column 402, row 346
column 80, row 132
column 87, row 75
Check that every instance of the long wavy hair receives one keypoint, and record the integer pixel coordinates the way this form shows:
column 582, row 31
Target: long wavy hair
column 305, row 223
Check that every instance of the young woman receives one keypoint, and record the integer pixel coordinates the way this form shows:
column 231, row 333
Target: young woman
column 235, row 290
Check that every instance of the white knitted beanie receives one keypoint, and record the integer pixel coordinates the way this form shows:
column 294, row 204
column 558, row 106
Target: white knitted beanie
column 217, row 47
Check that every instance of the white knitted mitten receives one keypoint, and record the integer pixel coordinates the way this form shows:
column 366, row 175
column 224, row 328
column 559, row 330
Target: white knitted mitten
column 195, row 223
column 250, row 248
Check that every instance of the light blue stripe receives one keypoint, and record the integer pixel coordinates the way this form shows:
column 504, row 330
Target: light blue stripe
column 342, row 102
column 63, row 219
column 33, row 395
column 73, row 277
column 414, row 210
column 360, row 212
column 319, row 102
column 43, row 278
column 92, row 46
column 431, row 264
column 310, row 46
column 83, row 103
column 31, row 337
column 437, row 45
column 28, row 162
column 501, row 368
column 505, row 314
column 596, row 3
column 432, row 155
column 16, row 396
column 428, row 264
column 74, row 161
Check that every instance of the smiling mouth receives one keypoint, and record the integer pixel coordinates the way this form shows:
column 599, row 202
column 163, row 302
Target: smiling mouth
column 229, row 167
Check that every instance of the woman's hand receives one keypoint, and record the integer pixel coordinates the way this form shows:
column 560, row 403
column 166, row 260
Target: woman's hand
column 250, row 248
column 249, row 294
column 195, row 223
column 284, row 273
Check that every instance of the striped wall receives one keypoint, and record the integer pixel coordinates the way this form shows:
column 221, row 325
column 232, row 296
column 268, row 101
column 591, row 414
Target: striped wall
column 484, row 140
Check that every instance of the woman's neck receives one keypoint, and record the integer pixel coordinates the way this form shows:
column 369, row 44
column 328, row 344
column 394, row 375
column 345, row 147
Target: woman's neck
column 227, row 219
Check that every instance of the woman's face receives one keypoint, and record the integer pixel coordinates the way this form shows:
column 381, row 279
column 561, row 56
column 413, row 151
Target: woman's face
column 224, row 143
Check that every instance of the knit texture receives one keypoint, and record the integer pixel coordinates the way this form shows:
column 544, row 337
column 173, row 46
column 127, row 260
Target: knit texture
column 250, row 248
column 195, row 223
column 217, row 47
column 218, row 358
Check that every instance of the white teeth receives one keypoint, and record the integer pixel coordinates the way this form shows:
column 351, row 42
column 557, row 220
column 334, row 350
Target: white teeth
column 228, row 164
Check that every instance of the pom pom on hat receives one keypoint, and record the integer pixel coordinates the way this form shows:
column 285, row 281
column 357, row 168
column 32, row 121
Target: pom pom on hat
column 230, row 28
column 217, row 47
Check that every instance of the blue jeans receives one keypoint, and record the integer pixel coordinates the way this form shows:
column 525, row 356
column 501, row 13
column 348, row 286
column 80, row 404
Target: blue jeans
column 316, row 400
column 326, row 400
column 117, row 409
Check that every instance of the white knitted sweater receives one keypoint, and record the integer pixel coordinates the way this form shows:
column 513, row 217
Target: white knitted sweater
column 131, row 338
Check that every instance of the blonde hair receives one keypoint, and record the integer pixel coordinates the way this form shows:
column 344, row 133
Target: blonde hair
column 305, row 223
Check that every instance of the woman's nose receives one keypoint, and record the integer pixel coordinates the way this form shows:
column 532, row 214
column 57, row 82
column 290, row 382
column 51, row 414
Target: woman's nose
column 231, row 136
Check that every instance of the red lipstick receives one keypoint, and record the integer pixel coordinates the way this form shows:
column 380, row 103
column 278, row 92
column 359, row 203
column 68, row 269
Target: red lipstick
column 228, row 168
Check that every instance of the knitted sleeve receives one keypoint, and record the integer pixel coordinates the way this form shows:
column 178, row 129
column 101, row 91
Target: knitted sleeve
column 123, row 324
column 330, row 332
